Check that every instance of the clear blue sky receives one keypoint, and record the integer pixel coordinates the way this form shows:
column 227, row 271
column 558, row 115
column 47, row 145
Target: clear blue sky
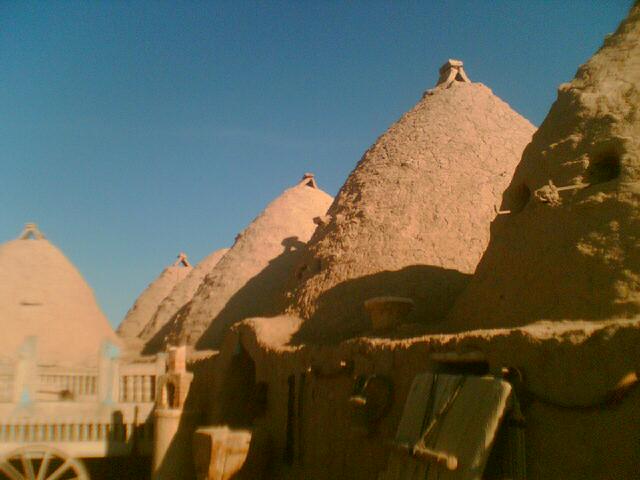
column 132, row 130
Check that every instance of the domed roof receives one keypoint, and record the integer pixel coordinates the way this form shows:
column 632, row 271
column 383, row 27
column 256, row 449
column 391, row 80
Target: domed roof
column 413, row 217
column 249, row 280
column 181, row 294
column 147, row 303
column 568, row 246
column 43, row 295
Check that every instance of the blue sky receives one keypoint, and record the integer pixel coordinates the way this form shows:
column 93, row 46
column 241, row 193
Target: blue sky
column 133, row 130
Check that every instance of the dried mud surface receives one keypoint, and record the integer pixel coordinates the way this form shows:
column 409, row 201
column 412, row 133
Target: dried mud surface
column 572, row 253
column 42, row 292
column 181, row 294
column 249, row 280
column 413, row 217
column 143, row 309
column 570, row 393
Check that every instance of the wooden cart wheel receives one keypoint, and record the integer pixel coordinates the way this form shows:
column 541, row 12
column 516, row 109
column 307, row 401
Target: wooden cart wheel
column 35, row 462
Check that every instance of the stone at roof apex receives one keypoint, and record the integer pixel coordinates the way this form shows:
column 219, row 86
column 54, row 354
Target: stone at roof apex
column 308, row 179
column 182, row 260
column 452, row 71
column 31, row 230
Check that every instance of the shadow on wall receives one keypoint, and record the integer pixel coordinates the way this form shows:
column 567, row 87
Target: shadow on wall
column 223, row 394
column 158, row 342
column 178, row 459
column 262, row 296
column 119, row 468
column 576, row 261
column 115, row 466
column 239, row 398
column 180, row 447
column 340, row 311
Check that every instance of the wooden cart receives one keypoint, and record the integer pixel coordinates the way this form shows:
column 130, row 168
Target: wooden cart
column 51, row 417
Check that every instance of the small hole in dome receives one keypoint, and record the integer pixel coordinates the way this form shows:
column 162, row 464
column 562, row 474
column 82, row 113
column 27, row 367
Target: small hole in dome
column 300, row 272
column 518, row 198
column 604, row 169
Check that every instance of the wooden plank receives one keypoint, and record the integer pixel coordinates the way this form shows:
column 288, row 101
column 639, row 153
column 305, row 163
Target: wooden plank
column 409, row 430
column 236, row 450
column 469, row 429
column 466, row 431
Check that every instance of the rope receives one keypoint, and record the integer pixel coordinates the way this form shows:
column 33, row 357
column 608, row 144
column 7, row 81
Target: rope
column 611, row 398
column 443, row 410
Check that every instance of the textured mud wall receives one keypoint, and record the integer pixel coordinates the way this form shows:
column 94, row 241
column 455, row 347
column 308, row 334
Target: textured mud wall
column 413, row 217
column 568, row 370
column 571, row 249
column 141, row 313
column 42, row 294
column 249, row 280
column 181, row 294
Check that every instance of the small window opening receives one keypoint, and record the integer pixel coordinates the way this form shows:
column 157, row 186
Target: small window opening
column 171, row 395
column 291, row 413
column 300, row 272
column 603, row 169
column 261, row 399
column 238, row 403
column 301, row 391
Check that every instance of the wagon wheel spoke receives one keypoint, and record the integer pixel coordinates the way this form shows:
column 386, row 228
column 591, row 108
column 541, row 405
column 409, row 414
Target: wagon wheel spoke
column 27, row 466
column 44, row 466
column 10, row 470
column 36, row 462
column 60, row 470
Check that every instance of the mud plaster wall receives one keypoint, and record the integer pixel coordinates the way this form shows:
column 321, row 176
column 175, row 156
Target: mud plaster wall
column 249, row 279
column 572, row 253
column 181, row 294
column 42, row 291
column 413, row 217
column 147, row 303
column 566, row 364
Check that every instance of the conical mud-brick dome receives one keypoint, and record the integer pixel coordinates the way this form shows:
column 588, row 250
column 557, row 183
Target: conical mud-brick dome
column 570, row 246
column 43, row 295
column 147, row 303
column 249, row 280
column 413, row 218
column 181, row 294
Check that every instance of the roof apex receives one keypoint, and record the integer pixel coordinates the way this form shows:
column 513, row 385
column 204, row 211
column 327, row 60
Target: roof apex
column 31, row 231
column 452, row 71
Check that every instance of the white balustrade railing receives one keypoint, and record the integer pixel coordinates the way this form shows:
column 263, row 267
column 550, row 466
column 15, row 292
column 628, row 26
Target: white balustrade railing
column 31, row 432
column 74, row 385
column 137, row 388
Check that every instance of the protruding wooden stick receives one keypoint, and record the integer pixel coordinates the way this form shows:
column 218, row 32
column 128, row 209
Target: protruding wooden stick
column 427, row 454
